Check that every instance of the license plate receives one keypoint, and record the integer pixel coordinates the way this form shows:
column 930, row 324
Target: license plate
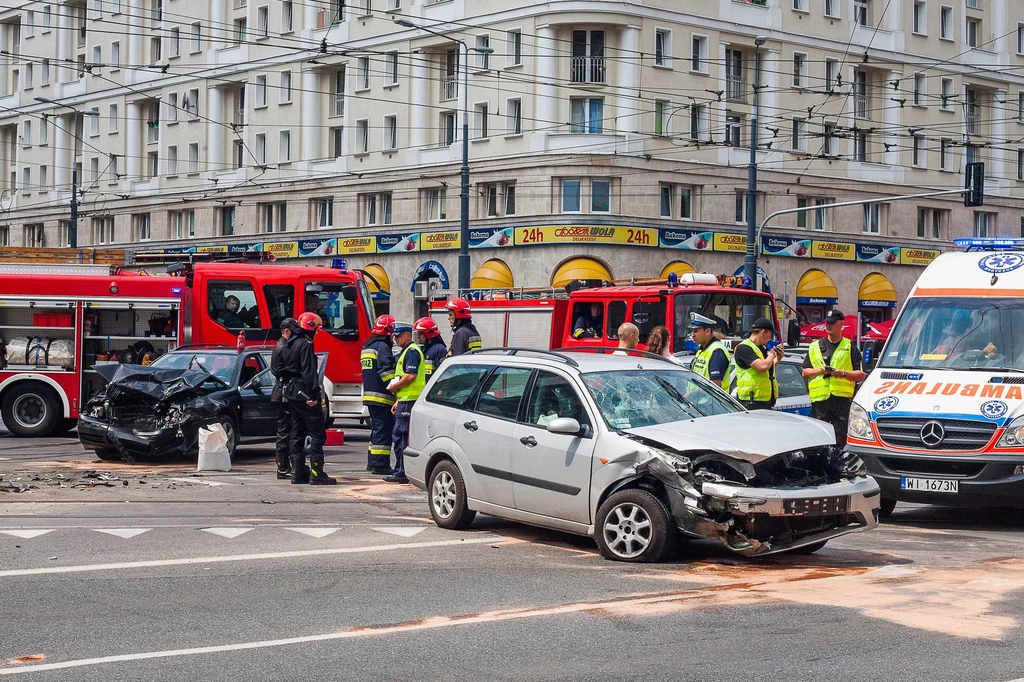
column 816, row 506
column 930, row 485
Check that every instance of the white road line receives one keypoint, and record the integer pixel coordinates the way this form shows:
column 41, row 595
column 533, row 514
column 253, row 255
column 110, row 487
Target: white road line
column 427, row 624
column 27, row 534
column 85, row 568
column 197, row 480
column 403, row 531
column 125, row 533
column 226, row 532
column 314, row 532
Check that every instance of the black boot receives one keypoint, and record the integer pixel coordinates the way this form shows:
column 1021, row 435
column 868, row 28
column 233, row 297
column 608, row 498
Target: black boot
column 300, row 472
column 284, row 468
column 317, row 475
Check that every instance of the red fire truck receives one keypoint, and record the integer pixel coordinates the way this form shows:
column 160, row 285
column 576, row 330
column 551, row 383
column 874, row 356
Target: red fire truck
column 58, row 322
column 545, row 318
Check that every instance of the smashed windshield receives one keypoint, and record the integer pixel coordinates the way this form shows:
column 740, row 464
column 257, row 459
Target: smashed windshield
column 726, row 309
column 220, row 365
column 958, row 333
column 645, row 397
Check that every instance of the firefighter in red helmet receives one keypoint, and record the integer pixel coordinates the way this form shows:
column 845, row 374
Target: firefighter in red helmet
column 465, row 337
column 378, row 364
column 301, row 388
column 428, row 336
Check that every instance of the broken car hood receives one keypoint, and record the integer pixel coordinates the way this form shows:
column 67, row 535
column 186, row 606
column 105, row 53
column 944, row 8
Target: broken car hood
column 156, row 383
column 750, row 436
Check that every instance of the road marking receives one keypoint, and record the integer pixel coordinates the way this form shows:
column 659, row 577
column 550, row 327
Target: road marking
column 122, row 532
column 246, row 557
column 314, row 532
column 27, row 534
column 229, row 533
column 357, row 633
column 197, row 480
column 404, row 531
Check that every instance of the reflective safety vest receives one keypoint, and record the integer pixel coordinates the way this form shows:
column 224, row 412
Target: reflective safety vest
column 752, row 384
column 378, row 364
column 410, row 393
column 822, row 387
column 702, row 362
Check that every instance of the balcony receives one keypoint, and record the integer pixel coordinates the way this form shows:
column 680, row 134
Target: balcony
column 449, row 87
column 338, row 104
column 587, row 70
column 81, row 33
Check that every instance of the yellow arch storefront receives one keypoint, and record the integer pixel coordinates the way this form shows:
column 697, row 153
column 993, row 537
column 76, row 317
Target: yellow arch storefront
column 680, row 267
column 493, row 274
column 814, row 293
column 877, row 296
column 580, row 268
column 377, row 280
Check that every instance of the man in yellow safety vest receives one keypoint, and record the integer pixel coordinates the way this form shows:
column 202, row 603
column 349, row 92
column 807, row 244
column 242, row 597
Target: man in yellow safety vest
column 756, row 386
column 411, row 372
column 832, row 369
column 713, row 360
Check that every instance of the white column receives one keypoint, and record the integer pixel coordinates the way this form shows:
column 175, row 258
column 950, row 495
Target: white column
column 63, row 141
column 219, row 31
column 628, row 106
column 63, row 71
column 309, row 12
column 999, row 26
column 214, row 130
column 546, row 107
column 419, row 116
column 891, row 119
column 310, row 113
column 135, row 18
column 133, row 146
column 996, row 154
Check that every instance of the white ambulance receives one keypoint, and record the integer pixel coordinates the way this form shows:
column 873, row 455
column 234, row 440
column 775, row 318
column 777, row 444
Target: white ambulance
column 940, row 420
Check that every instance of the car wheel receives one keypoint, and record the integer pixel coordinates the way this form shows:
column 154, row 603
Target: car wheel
column 31, row 409
column 232, row 433
column 888, row 506
column 809, row 549
column 108, row 455
column 633, row 525
column 448, row 497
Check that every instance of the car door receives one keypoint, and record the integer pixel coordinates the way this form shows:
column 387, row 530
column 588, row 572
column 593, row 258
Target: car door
column 485, row 433
column 259, row 415
column 551, row 471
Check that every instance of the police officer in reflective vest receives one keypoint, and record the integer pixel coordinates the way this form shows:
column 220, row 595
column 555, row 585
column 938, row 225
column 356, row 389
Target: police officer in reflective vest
column 713, row 361
column 756, row 386
column 428, row 336
column 378, row 363
column 832, row 369
column 465, row 337
column 407, row 386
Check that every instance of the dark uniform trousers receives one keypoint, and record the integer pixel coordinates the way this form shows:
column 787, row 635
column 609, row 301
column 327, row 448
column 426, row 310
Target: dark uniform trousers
column 400, row 439
column 307, row 423
column 282, row 447
column 382, row 427
column 757, row 404
column 836, row 413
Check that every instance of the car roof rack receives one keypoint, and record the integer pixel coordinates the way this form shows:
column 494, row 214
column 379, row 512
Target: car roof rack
column 513, row 350
column 607, row 350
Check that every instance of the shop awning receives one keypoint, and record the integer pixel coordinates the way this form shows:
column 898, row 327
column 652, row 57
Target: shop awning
column 579, row 268
column 876, row 291
column 493, row 274
column 816, row 288
column 377, row 280
column 680, row 267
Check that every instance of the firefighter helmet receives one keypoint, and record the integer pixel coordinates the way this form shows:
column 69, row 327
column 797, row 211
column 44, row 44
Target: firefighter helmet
column 460, row 307
column 427, row 327
column 384, row 324
column 310, row 322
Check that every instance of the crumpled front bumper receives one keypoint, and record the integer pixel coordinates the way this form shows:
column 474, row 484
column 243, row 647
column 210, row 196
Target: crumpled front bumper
column 165, row 443
column 796, row 507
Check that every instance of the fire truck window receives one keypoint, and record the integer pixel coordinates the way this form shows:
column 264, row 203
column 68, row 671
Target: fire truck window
column 616, row 316
column 233, row 305
column 280, row 302
column 647, row 315
column 337, row 304
column 587, row 320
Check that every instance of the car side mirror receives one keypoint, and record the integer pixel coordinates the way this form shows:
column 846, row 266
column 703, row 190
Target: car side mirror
column 566, row 425
column 255, row 384
column 793, row 333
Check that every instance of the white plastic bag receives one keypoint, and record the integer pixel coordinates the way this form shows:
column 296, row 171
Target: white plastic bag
column 213, row 449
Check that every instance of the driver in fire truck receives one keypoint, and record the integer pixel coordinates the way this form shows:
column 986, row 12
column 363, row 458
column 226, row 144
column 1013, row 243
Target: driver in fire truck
column 228, row 315
column 588, row 325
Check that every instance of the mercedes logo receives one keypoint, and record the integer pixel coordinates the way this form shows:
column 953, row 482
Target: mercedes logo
column 932, row 433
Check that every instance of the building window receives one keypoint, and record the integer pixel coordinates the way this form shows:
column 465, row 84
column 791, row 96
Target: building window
column 153, row 164
column 363, row 67
column 261, row 90
column 112, row 176
column 272, row 215
column 973, row 31
column 450, row 75
column 831, row 74
column 262, row 21
column 799, row 135
column 447, row 128
column 193, row 158
column 920, row 17
column 514, row 116
column 436, row 204
column 261, row 149
column 192, row 104
column 337, row 141
column 26, row 180
column 94, row 122
column 984, row 224
column 183, row 224
column 662, row 47
column 196, row 39
column 480, row 130
column 391, row 132
column 946, row 154
column 30, row 70
column 514, row 48
column 872, row 218
column 102, row 230
column 286, row 87
column 510, row 198
column 733, row 130
column 362, row 136
column 734, row 84
column 115, row 56
column 238, row 153
column 920, row 85
column 946, row 94
column 699, row 53
column 240, row 31
column 799, row 69
column 499, row 199
column 44, row 131
column 832, row 9
column 861, row 12
column 140, row 227
column 483, row 52
column 571, row 200
column 377, row 208
column 1020, row 106
column 929, row 222
column 172, row 107
column 44, row 177
column 741, row 206
column 669, row 196
column 918, row 149
column 800, row 5
column 860, row 95
column 600, row 196
column 391, row 68
column 338, row 94
column 287, row 17
column 946, row 23
column 34, row 235
column 661, row 117
column 698, row 122
column 174, row 43
column 44, row 71
column 324, row 213
column 587, row 115
column 861, row 145
column 284, row 147
column 587, row 65
column 172, row 161
column 831, row 145
column 227, row 221
column 1020, row 164
column 26, row 135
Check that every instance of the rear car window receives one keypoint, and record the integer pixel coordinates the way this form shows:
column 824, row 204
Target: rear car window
column 504, row 389
column 455, row 385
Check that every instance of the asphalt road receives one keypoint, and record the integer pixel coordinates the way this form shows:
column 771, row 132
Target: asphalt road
column 238, row 576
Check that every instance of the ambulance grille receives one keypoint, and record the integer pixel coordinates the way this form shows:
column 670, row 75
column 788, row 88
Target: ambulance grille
column 958, row 434
column 898, row 376
column 1006, row 380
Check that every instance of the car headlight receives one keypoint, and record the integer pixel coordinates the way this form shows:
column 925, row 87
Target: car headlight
column 859, row 425
column 1013, row 437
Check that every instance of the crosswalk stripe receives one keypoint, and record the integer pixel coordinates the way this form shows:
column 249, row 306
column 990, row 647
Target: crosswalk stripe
column 125, row 533
column 27, row 534
column 314, row 532
column 404, row 531
column 229, row 533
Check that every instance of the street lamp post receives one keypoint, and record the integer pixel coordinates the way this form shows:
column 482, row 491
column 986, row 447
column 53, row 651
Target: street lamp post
column 464, row 262
column 750, row 260
column 73, row 221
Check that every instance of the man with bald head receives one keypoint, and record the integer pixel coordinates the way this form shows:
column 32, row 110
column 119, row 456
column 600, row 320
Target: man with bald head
column 629, row 337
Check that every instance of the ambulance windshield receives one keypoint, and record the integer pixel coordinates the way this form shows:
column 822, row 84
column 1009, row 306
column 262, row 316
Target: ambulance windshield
column 958, row 333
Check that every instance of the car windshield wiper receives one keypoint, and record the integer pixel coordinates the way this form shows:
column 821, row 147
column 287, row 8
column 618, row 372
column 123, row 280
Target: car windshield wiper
column 674, row 392
column 987, row 369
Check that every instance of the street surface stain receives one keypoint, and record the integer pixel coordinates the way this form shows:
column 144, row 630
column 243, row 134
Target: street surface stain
column 31, row 658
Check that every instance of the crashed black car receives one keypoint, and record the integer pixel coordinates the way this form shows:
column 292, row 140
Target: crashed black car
column 155, row 411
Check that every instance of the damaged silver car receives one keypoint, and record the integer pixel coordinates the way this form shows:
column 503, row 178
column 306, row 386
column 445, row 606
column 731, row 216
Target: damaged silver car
column 633, row 451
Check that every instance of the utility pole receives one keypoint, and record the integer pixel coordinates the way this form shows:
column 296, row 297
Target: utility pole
column 750, row 260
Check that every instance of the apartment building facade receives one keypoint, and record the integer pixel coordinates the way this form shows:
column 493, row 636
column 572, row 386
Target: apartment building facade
column 607, row 138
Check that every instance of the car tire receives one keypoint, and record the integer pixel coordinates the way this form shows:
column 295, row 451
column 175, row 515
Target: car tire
column 634, row 526
column 108, row 455
column 809, row 549
column 446, row 495
column 887, row 508
column 30, row 408
column 232, row 432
